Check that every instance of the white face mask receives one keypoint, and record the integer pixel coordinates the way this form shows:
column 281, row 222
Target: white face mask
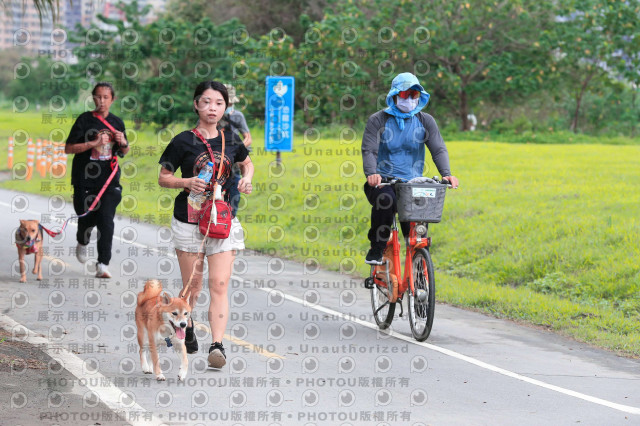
column 406, row 105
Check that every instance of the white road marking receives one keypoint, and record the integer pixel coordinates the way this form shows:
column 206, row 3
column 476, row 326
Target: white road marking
column 110, row 395
column 454, row 354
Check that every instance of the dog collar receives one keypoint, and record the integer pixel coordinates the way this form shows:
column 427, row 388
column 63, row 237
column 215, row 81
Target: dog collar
column 29, row 246
column 168, row 340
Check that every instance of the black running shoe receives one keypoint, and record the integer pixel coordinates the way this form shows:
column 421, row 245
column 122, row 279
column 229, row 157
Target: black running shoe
column 190, row 340
column 374, row 257
column 217, row 357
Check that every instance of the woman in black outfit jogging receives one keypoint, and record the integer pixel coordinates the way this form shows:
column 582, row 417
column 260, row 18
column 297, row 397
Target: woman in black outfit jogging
column 96, row 136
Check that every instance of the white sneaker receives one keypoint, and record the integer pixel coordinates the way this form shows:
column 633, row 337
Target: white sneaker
column 102, row 271
column 81, row 253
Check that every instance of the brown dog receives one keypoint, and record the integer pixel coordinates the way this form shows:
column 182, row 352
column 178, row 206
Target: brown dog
column 29, row 241
column 161, row 318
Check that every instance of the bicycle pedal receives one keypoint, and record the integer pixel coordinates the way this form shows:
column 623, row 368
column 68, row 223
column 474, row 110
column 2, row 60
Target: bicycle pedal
column 368, row 283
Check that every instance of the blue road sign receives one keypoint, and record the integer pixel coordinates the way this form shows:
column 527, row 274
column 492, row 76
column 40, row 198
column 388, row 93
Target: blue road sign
column 278, row 132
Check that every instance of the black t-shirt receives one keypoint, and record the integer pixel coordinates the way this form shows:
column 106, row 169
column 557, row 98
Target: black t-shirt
column 189, row 154
column 88, row 170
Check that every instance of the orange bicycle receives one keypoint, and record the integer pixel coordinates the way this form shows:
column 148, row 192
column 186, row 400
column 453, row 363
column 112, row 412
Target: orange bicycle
column 419, row 204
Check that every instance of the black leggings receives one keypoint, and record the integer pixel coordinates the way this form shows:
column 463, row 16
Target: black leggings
column 383, row 207
column 101, row 216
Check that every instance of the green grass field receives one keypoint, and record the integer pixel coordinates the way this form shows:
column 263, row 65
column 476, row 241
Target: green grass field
column 546, row 234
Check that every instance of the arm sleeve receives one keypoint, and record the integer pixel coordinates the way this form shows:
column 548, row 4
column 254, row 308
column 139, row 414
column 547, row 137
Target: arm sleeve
column 370, row 143
column 121, row 127
column 171, row 158
column 437, row 148
column 241, row 154
column 77, row 132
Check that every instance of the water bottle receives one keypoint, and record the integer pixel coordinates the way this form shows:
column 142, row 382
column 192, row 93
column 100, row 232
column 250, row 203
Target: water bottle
column 197, row 198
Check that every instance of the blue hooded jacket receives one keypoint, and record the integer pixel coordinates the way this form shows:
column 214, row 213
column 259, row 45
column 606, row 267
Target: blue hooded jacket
column 401, row 151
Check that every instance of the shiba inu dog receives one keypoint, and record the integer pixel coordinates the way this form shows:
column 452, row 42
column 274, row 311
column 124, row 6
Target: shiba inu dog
column 161, row 319
column 29, row 241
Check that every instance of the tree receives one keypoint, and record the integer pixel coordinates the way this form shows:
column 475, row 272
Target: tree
column 259, row 17
column 486, row 49
column 39, row 85
column 155, row 67
column 10, row 57
column 597, row 40
column 464, row 52
column 43, row 7
column 191, row 11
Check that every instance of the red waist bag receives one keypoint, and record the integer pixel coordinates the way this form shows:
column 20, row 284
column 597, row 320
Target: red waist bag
column 223, row 215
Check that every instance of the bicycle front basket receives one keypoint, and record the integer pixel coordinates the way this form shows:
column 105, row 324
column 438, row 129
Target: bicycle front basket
column 422, row 202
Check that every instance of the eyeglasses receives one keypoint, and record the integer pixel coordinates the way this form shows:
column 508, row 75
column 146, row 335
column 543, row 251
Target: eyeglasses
column 409, row 93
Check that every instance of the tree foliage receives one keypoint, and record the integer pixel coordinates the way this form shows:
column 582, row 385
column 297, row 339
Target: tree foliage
column 156, row 66
column 550, row 61
column 487, row 50
column 595, row 40
column 464, row 52
column 259, row 16
column 44, row 8
column 39, row 80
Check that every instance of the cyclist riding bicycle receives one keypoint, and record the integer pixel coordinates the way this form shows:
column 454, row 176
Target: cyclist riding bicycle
column 393, row 147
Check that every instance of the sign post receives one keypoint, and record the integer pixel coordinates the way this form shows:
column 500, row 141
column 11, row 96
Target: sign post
column 278, row 133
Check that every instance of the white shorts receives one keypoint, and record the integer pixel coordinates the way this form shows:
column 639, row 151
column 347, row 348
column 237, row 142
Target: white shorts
column 187, row 237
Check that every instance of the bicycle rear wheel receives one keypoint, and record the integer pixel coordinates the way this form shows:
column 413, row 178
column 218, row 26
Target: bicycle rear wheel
column 383, row 309
column 422, row 303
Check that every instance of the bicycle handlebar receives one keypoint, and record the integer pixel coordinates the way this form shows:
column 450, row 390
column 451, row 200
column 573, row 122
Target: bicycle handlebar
column 393, row 181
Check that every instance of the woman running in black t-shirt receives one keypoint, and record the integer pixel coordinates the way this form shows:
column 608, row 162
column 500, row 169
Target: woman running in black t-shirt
column 189, row 154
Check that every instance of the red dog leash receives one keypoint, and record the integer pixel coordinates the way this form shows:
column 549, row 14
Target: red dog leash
column 114, row 170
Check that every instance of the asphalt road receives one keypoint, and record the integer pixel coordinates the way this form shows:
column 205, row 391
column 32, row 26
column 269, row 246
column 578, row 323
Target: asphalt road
column 301, row 344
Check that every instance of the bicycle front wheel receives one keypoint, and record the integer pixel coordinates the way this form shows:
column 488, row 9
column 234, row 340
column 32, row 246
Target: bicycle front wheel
column 422, row 303
column 383, row 309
